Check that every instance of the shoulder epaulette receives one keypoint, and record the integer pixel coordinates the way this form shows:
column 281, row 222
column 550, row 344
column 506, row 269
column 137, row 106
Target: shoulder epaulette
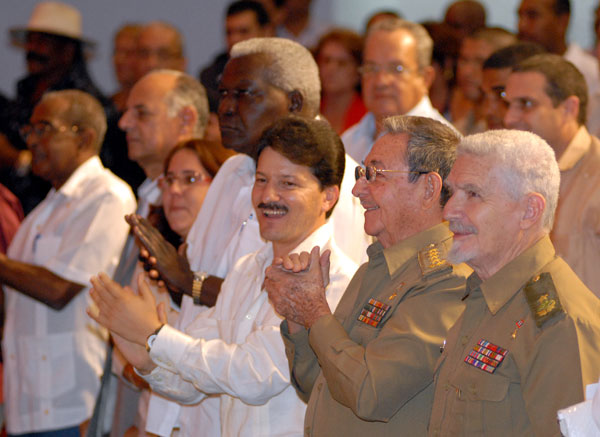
column 542, row 298
column 433, row 258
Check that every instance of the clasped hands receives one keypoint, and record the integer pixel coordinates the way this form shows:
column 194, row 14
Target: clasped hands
column 296, row 286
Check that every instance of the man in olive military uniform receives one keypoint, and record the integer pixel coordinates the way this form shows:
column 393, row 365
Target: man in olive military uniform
column 368, row 368
column 529, row 339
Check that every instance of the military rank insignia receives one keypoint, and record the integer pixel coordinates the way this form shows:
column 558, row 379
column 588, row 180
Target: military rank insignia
column 486, row 356
column 373, row 312
column 433, row 258
column 542, row 298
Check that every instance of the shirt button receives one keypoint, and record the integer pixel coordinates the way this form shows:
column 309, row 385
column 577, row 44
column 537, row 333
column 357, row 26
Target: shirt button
column 46, row 412
column 320, row 386
column 248, row 316
column 464, row 340
column 307, row 430
column 43, row 357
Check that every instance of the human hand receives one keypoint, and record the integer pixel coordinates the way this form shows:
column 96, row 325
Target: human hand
column 298, row 292
column 164, row 262
column 297, row 262
column 130, row 315
column 135, row 354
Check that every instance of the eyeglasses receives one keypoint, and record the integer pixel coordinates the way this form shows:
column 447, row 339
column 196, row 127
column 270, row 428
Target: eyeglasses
column 395, row 69
column 370, row 172
column 185, row 179
column 42, row 128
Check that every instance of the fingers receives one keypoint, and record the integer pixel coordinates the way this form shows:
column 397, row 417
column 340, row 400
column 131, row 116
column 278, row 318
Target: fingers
column 182, row 249
column 144, row 288
column 325, row 262
column 296, row 262
column 162, row 312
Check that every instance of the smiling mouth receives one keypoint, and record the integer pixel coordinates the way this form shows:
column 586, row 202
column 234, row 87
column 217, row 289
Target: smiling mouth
column 272, row 210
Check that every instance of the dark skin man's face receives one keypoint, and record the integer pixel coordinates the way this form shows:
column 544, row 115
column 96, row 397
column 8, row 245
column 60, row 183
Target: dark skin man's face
column 248, row 104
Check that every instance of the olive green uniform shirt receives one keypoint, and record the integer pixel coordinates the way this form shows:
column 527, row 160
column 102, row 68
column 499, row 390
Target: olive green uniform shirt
column 544, row 368
column 378, row 380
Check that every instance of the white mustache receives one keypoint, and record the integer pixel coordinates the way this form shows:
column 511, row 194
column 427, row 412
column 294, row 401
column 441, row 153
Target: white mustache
column 459, row 228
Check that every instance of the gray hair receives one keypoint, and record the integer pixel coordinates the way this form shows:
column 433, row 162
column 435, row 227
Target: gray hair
column 84, row 111
column 423, row 42
column 291, row 67
column 431, row 146
column 526, row 161
column 186, row 92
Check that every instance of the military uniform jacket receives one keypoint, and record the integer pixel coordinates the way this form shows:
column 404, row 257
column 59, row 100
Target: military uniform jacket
column 368, row 369
column 526, row 346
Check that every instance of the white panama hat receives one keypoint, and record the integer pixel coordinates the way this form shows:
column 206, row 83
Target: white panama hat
column 54, row 18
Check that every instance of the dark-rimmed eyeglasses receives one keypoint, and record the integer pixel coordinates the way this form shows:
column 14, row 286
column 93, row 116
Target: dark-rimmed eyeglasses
column 42, row 128
column 370, row 172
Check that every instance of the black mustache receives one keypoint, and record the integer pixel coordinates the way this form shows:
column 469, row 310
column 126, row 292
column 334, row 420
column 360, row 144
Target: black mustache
column 274, row 206
column 37, row 57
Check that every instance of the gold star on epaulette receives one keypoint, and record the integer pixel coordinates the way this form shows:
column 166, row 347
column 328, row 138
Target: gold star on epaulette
column 433, row 258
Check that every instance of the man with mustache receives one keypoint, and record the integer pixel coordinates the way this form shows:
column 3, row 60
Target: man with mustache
column 265, row 79
column 367, row 368
column 527, row 342
column 234, row 351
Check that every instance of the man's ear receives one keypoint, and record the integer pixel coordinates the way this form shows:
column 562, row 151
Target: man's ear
column 296, row 102
column 570, row 107
column 432, row 188
column 87, row 139
column 332, row 194
column 535, row 205
column 188, row 118
column 428, row 76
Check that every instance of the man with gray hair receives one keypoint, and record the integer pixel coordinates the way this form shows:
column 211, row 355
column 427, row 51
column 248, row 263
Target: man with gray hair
column 265, row 79
column 53, row 351
column 396, row 75
column 527, row 343
column 367, row 369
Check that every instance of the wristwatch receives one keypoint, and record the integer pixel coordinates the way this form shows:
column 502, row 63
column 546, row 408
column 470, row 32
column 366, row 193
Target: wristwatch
column 152, row 337
column 197, row 286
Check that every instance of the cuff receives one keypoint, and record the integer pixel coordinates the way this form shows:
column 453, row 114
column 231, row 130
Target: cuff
column 169, row 347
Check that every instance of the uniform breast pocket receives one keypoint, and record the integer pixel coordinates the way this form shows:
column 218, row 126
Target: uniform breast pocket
column 486, row 403
column 49, row 365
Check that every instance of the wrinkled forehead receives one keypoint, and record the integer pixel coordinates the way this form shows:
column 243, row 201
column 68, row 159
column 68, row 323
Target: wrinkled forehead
column 389, row 151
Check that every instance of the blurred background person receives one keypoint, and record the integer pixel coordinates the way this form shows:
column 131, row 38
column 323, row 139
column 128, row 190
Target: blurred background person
column 465, row 111
column 244, row 19
column 338, row 55
column 125, row 56
column 445, row 52
column 125, row 61
column 160, row 46
column 55, row 53
column 298, row 24
column 496, row 70
column 465, row 17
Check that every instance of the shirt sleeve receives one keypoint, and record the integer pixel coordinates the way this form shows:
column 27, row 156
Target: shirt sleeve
column 304, row 366
column 376, row 380
column 253, row 371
